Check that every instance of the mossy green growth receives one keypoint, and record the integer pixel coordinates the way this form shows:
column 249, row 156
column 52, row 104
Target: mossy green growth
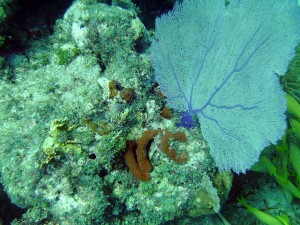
column 1, row 63
column 66, row 53
column 4, row 12
column 1, row 41
column 59, row 141
column 108, row 146
column 4, row 9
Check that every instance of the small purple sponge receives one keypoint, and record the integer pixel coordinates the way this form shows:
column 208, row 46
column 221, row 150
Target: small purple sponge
column 186, row 120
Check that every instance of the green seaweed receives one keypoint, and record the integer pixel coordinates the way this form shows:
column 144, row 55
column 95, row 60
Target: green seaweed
column 291, row 80
column 282, row 165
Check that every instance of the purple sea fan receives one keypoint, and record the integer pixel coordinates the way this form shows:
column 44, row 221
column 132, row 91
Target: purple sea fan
column 219, row 62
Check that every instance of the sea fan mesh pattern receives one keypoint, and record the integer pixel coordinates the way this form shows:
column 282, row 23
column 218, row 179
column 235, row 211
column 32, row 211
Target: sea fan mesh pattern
column 220, row 62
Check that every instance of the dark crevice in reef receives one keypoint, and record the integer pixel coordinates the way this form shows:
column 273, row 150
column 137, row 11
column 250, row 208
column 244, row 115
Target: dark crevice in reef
column 8, row 210
column 150, row 9
column 31, row 20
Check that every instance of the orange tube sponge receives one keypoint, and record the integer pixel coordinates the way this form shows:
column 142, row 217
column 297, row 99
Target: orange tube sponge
column 136, row 155
column 179, row 136
column 142, row 149
column 132, row 163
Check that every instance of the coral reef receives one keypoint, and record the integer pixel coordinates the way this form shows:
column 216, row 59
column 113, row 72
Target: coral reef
column 71, row 104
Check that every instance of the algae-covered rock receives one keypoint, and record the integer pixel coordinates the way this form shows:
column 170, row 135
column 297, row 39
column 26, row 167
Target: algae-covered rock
column 206, row 200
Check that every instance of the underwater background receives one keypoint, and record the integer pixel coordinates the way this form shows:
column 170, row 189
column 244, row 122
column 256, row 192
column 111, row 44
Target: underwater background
column 87, row 135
